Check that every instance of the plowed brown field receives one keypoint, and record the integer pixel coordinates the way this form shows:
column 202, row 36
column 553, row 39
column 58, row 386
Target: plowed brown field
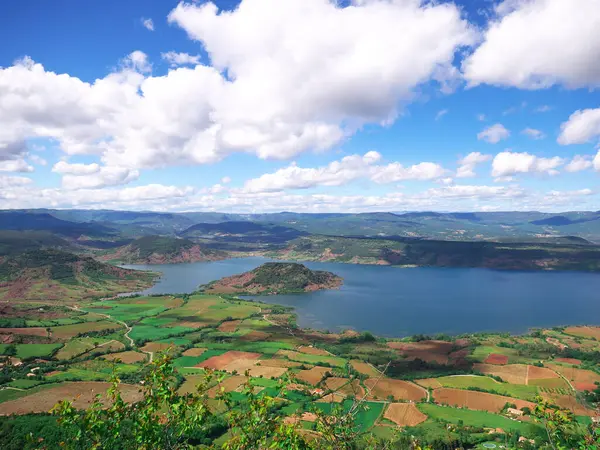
column 588, row 332
column 221, row 361
column 398, row 389
column 81, row 393
column 481, row 401
column 129, row 357
column 404, row 414
column 313, row 375
column 494, row 358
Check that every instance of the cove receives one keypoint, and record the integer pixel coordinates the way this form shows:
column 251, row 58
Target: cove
column 395, row 302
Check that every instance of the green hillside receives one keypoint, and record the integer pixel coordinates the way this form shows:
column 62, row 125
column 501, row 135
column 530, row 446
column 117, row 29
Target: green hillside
column 161, row 249
column 53, row 274
column 421, row 252
column 274, row 278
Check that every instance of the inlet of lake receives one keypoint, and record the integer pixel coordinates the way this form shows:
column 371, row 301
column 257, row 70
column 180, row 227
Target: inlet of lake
column 396, row 302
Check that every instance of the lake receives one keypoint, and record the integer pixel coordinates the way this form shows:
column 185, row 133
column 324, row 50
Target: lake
column 391, row 301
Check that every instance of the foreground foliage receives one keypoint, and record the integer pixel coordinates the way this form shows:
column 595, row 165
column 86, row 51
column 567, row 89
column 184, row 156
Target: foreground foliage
column 166, row 419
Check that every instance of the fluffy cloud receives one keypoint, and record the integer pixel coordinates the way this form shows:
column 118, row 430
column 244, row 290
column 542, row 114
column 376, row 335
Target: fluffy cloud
column 66, row 168
column 494, row 134
column 105, row 176
column 284, row 92
column 11, row 182
column 509, row 163
column 480, row 192
column 578, row 163
column 90, row 176
column 535, row 44
column 533, row 133
column 341, row 172
column 15, row 165
column 467, row 164
column 137, row 61
column 147, row 23
column 180, row 59
column 583, row 126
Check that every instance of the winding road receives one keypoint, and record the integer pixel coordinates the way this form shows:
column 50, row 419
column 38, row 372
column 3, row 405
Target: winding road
column 120, row 322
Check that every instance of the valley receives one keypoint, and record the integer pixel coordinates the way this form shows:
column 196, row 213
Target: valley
column 394, row 328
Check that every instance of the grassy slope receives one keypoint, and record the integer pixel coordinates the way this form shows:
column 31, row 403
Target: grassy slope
column 53, row 274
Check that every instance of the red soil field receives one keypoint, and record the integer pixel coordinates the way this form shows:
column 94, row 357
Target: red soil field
column 221, row 361
column 129, row 357
column 585, row 386
column 481, row 401
column 196, row 351
column 588, row 332
column 404, row 414
column 230, row 326
column 576, row 376
column 32, row 331
column 313, row 351
column 497, row 359
column 441, row 352
column 573, row 361
column 313, row 375
column 81, row 393
column 399, row 389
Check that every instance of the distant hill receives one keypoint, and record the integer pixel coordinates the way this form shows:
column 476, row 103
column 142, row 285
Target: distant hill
column 161, row 250
column 568, row 254
column 15, row 242
column 54, row 275
column 240, row 235
column 34, row 221
column 276, row 278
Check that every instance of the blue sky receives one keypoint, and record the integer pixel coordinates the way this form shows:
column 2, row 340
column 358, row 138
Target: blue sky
column 300, row 105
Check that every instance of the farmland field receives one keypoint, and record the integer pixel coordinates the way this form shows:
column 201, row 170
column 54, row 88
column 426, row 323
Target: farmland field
column 488, row 384
column 404, row 414
column 238, row 338
column 473, row 418
column 479, row 401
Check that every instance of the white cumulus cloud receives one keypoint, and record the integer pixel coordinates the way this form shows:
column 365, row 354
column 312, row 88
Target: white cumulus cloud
column 273, row 89
column 466, row 165
column 533, row 133
column 176, row 59
column 494, row 134
column 583, row 126
column 511, row 163
column 535, row 44
column 341, row 172
column 147, row 23
column 15, row 165
column 579, row 163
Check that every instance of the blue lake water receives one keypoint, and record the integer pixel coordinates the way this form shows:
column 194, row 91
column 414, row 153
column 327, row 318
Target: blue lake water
column 391, row 301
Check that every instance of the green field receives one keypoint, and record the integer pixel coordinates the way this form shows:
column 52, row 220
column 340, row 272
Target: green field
column 364, row 418
column 131, row 310
column 32, row 350
column 70, row 331
column 474, row 418
column 146, row 333
column 78, row 346
column 314, row 359
column 489, row 384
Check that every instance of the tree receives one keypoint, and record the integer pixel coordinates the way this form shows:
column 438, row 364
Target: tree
column 562, row 431
column 164, row 419
column 10, row 350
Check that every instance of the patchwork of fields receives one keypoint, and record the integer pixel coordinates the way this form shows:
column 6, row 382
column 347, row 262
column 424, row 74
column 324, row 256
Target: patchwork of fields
column 413, row 384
